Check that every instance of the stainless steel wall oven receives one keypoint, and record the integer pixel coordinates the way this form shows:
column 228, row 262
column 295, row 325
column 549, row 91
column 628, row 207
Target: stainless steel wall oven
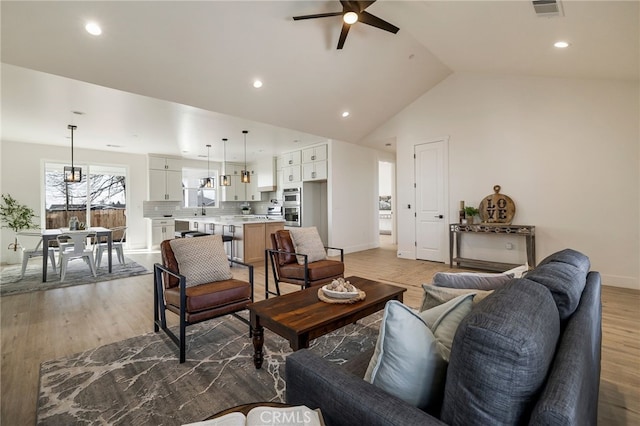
column 292, row 206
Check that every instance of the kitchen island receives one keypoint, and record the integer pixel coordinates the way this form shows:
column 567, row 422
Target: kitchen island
column 251, row 234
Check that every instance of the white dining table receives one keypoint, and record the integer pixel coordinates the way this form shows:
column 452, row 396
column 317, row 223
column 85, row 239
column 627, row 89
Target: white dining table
column 51, row 234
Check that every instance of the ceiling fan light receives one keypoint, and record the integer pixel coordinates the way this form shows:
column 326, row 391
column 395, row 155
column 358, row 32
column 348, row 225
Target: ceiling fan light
column 350, row 18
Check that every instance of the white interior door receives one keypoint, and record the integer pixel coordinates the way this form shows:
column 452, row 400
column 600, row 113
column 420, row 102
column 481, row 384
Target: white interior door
column 431, row 214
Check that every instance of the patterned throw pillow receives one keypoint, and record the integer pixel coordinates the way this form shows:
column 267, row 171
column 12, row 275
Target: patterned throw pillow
column 201, row 259
column 307, row 241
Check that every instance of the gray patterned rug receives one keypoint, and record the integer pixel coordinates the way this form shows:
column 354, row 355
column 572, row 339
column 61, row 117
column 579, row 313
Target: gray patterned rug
column 139, row 381
column 77, row 273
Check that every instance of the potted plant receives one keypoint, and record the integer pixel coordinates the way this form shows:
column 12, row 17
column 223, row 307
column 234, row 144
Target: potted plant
column 16, row 217
column 470, row 213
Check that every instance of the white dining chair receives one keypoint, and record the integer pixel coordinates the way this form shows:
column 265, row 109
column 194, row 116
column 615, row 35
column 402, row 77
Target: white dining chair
column 117, row 246
column 78, row 249
column 28, row 253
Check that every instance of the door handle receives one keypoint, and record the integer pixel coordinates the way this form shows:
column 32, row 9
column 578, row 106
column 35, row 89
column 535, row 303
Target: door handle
column 439, row 216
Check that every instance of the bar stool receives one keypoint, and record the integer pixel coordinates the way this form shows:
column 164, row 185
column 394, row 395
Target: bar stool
column 194, row 234
column 182, row 234
column 229, row 239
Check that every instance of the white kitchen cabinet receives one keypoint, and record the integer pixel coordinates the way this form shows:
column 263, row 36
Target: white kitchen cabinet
column 266, row 170
column 314, row 163
column 280, row 184
column 162, row 229
column 165, row 179
column 314, row 171
column 252, row 191
column 289, row 159
column 292, row 174
column 236, row 191
column 314, row 153
column 165, row 163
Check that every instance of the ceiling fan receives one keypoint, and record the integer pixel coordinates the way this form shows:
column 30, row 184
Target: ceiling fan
column 353, row 11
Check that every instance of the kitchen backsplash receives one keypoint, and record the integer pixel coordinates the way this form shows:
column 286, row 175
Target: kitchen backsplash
column 162, row 208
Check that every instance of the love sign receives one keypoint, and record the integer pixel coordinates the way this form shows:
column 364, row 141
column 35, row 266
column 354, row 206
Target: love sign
column 497, row 208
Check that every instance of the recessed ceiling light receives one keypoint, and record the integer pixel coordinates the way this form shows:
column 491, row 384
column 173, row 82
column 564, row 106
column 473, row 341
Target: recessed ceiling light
column 93, row 29
column 345, row 114
column 561, row 44
column 257, row 84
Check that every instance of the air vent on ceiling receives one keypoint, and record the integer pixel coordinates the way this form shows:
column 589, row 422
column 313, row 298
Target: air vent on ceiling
column 547, row 7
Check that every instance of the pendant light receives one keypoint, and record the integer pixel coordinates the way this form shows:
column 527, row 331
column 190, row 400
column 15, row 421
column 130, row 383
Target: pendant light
column 209, row 181
column 225, row 179
column 72, row 174
column 245, row 176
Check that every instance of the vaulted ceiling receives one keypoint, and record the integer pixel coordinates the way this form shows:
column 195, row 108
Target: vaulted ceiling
column 171, row 76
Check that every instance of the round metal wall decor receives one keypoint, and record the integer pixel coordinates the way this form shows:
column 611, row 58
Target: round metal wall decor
column 497, row 208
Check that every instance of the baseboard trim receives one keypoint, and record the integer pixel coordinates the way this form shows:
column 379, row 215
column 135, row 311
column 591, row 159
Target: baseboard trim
column 620, row 281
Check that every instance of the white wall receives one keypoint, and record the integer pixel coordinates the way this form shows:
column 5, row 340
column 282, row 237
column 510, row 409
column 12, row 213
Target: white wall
column 353, row 196
column 23, row 177
column 565, row 150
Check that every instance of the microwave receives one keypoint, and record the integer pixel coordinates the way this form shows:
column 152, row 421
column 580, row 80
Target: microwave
column 291, row 196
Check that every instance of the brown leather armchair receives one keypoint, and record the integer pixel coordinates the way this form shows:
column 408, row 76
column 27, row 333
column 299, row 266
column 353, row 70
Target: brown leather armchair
column 198, row 303
column 285, row 267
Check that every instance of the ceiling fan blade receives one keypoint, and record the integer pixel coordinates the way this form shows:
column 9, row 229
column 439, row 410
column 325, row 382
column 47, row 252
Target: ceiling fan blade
column 362, row 5
column 348, row 5
column 374, row 21
column 317, row 15
column 343, row 34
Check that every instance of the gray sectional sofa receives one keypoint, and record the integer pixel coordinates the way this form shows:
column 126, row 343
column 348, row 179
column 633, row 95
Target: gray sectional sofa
column 527, row 354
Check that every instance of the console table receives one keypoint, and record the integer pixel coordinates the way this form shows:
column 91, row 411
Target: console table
column 457, row 230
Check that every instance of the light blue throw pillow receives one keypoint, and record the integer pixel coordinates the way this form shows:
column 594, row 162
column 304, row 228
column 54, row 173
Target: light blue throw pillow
column 412, row 351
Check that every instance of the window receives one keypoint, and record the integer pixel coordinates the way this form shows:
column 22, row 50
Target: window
column 193, row 195
column 99, row 200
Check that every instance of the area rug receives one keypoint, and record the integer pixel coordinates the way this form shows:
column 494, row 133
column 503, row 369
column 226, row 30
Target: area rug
column 77, row 273
column 139, row 381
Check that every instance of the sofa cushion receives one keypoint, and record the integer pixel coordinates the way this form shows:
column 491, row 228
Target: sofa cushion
column 201, row 260
column 307, row 241
column 410, row 358
column 500, row 357
column 480, row 281
column 564, row 273
column 568, row 256
column 434, row 296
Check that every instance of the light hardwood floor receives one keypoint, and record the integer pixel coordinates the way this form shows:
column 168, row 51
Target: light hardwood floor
column 39, row 326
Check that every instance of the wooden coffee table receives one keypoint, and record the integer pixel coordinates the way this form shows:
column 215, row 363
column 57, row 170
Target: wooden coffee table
column 301, row 317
